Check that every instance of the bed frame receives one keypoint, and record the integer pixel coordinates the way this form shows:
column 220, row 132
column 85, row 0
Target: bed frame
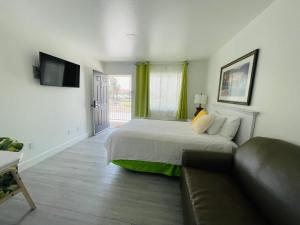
column 248, row 119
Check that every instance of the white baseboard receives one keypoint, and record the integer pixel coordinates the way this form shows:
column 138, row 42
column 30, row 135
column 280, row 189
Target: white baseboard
column 50, row 152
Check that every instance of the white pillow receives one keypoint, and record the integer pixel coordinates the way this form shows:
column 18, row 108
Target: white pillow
column 202, row 124
column 230, row 127
column 217, row 124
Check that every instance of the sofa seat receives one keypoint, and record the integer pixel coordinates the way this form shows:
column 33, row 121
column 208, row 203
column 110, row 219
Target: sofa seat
column 214, row 198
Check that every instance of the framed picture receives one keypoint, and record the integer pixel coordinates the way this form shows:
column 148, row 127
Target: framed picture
column 236, row 79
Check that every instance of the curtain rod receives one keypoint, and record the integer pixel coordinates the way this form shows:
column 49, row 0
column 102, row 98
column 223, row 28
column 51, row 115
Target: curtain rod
column 164, row 63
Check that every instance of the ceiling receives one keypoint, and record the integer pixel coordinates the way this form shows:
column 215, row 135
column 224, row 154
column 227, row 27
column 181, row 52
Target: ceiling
column 127, row 30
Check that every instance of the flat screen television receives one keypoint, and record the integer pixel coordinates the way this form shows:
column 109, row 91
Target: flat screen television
column 58, row 72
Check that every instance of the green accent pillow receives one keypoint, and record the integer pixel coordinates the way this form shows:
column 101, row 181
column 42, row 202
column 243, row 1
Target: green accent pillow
column 9, row 144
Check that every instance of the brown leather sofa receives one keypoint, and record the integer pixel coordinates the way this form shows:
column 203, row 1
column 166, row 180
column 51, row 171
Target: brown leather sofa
column 259, row 184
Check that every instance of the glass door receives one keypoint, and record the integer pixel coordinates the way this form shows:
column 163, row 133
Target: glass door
column 119, row 99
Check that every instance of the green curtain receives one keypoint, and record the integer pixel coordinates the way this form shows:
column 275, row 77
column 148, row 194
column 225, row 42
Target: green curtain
column 182, row 104
column 142, row 89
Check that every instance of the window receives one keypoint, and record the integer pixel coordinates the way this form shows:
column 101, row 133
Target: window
column 165, row 85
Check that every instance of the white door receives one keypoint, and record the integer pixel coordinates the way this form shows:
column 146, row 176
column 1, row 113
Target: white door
column 100, row 102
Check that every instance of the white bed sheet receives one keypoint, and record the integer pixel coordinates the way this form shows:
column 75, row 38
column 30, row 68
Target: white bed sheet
column 160, row 141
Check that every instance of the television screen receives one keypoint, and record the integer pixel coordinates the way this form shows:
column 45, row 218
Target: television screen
column 58, row 72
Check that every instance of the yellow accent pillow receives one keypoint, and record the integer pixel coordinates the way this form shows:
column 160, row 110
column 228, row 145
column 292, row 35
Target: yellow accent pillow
column 201, row 113
column 202, row 123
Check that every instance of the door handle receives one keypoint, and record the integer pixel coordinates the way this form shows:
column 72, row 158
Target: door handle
column 95, row 104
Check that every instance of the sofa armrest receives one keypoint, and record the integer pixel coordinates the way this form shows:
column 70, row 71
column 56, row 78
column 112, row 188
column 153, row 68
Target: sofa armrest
column 215, row 161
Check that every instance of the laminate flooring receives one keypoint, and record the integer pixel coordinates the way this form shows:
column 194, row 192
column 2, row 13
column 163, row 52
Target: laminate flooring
column 78, row 187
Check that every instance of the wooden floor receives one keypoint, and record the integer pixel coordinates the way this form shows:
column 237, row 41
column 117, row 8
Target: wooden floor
column 77, row 187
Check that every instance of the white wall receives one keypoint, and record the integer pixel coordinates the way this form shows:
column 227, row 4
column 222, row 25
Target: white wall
column 37, row 114
column 197, row 73
column 276, row 92
column 119, row 68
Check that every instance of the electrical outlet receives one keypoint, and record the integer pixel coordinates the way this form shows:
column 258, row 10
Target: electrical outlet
column 30, row 145
column 69, row 132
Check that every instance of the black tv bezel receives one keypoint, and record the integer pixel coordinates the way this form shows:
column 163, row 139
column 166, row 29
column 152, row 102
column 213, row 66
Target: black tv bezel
column 58, row 59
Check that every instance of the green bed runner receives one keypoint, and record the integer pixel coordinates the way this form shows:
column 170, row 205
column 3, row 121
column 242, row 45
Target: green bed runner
column 150, row 167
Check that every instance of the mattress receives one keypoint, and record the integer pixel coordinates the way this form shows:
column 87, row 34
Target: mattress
column 160, row 141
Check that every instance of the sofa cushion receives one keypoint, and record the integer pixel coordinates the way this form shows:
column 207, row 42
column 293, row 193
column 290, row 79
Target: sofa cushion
column 269, row 171
column 9, row 144
column 213, row 198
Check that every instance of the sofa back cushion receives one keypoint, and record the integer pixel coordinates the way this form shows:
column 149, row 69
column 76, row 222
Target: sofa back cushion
column 269, row 172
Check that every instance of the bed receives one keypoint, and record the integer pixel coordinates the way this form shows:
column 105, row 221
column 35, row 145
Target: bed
column 156, row 146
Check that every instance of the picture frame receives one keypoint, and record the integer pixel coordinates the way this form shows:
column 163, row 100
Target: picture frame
column 237, row 78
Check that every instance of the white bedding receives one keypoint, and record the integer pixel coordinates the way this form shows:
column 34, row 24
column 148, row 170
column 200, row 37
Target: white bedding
column 160, row 141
